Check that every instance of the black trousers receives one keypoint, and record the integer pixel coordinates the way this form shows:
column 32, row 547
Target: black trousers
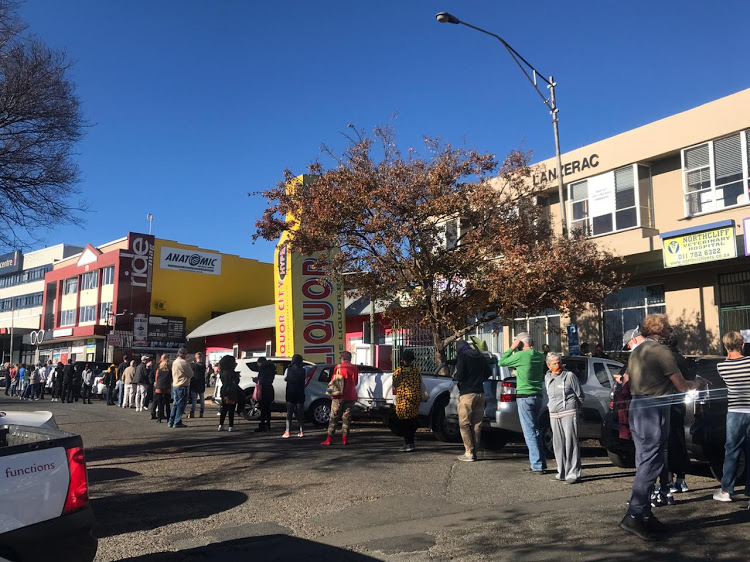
column 86, row 393
column 265, row 413
column 408, row 428
column 161, row 400
column 67, row 392
column 227, row 409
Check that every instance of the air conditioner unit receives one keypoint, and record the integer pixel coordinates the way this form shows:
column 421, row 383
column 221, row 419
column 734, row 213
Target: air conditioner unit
column 161, row 305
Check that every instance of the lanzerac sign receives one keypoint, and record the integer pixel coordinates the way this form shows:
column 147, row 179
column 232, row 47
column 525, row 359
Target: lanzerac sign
column 568, row 168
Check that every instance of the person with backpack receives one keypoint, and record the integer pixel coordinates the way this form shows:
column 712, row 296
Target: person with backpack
column 295, row 377
column 230, row 390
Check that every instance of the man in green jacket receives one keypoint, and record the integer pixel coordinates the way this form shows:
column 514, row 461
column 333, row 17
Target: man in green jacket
column 529, row 366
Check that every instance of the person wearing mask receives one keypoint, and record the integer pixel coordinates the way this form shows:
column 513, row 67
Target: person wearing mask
column 141, row 382
column 653, row 375
column 471, row 372
column 163, row 388
column 88, row 383
column 68, row 378
column 295, row 377
column 230, row 390
column 735, row 370
column 120, row 384
column 407, row 388
column 266, row 374
column 529, row 366
column 565, row 399
column 343, row 390
column 128, row 386
column 198, row 385
column 182, row 372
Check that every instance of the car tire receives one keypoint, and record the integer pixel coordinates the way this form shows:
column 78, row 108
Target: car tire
column 621, row 460
column 443, row 429
column 319, row 412
column 252, row 410
column 495, row 440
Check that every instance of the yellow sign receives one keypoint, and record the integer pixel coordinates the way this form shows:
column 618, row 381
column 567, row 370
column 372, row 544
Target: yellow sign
column 700, row 247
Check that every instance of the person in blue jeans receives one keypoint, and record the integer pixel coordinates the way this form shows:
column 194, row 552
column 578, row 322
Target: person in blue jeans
column 530, row 367
column 182, row 372
column 735, row 370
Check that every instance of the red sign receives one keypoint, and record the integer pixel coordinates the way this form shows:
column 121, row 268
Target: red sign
column 134, row 280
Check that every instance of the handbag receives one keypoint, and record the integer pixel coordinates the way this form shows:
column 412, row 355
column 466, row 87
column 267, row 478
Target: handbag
column 258, row 393
column 423, row 390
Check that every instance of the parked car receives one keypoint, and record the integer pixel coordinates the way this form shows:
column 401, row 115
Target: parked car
column 44, row 512
column 705, row 422
column 501, row 421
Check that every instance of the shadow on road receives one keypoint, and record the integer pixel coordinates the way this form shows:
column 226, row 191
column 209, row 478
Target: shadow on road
column 106, row 474
column 158, row 509
column 268, row 548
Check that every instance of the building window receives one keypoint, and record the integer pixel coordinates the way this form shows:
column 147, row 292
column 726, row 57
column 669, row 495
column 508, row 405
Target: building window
column 23, row 301
column 71, row 286
column 105, row 311
column 108, row 275
column 613, row 201
column 544, row 329
column 28, row 276
column 87, row 314
column 68, row 317
column 89, row 280
column 715, row 174
column 627, row 308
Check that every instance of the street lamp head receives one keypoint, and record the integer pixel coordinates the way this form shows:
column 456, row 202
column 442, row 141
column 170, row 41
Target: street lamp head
column 445, row 17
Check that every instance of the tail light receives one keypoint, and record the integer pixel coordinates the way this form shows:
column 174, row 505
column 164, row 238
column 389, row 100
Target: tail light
column 508, row 391
column 78, row 489
column 310, row 375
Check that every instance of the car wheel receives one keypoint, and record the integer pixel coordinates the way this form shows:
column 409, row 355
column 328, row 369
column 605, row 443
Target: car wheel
column 320, row 412
column 494, row 440
column 443, row 429
column 621, row 460
column 252, row 410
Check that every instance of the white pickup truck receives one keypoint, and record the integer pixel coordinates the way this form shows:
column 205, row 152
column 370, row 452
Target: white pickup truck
column 44, row 504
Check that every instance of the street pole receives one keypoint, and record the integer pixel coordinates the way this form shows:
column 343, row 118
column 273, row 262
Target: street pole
column 372, row 332
column 526, row 66
column 12, row 317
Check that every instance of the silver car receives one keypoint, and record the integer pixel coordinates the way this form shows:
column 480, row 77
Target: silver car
column 501, row 421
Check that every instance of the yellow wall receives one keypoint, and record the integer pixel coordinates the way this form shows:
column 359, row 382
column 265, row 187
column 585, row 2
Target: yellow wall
column 243, row 283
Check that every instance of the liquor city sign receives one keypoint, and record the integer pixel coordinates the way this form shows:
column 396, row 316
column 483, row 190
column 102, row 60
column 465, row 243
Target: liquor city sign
column 568, row 169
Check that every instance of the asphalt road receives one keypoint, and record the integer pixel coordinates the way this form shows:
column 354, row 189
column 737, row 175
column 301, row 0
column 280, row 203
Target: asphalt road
column 194, row 494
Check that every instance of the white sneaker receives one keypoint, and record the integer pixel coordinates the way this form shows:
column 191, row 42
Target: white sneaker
column 682, row 485
column 231, row 428
column 221, row 428
column 721, row 496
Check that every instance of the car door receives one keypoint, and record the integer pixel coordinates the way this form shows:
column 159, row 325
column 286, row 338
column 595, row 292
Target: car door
column 588, row 426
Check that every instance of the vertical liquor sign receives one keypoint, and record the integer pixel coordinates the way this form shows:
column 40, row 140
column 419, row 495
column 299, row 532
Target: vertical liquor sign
column 134, row 280
column 310, row 311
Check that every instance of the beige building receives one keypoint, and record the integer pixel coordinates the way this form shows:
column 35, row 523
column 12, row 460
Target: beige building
column 672, row 198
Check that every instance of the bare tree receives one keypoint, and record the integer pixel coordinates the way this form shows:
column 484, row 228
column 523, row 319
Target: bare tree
column 40, row 122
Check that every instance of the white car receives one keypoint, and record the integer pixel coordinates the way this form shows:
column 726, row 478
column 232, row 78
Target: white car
column 39, row 418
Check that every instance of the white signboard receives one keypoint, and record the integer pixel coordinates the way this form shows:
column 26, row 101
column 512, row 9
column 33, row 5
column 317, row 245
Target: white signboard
column 182, row 259
column 601, row 194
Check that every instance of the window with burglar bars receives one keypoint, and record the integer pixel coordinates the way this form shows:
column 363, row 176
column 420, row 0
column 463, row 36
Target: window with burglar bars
column 544, row 329
column 630, row 206
column 715, row 174
column 734, row 289
column 627, row 308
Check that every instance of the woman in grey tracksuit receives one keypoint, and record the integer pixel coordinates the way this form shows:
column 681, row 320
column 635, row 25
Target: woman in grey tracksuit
column 565, row 398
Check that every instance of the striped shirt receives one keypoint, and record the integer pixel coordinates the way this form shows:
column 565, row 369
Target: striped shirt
column 736, row 375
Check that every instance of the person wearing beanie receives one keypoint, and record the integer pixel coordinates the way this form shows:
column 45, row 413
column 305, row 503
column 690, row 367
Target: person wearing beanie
column 471, row 372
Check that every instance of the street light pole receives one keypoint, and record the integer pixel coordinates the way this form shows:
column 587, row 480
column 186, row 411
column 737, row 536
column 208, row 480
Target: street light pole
column 526, row 66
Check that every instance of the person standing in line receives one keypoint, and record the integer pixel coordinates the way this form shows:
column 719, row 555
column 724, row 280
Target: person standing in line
column 5, row 373
column 163, row 388
column 653, row 374
column 77, row 380
column 343, row 389
column 471, row 372
column 230, row 390
column 128, row 387
column 23, row 382
column 295, row 377
column 13, row 380
column 110, row 382
column 407, row 388
column 565, row 399
column 35, row 378
column 48, row 370
column 67, row 382
column 735, row 370
column 266, row 374
column 198, row 385
column 120, row 384
column 88, row 383
column 140, row 380
column 57, row 389
column 182, row 372
column 529, row 365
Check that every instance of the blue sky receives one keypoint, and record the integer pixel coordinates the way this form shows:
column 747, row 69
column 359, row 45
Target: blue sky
column 193, row 104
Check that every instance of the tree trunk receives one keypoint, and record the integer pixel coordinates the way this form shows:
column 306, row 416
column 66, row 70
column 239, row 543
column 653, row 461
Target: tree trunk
column 440, row 357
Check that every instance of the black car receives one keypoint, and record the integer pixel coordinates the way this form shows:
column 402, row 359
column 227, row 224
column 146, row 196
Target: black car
column 705, row 422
